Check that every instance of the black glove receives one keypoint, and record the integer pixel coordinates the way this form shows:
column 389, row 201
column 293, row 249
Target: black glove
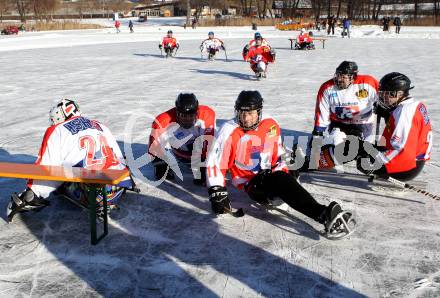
column 218, row 196
column 160, row 46
column 160, row 168
column 272, row 53
column 381, row 111
column 202, row 180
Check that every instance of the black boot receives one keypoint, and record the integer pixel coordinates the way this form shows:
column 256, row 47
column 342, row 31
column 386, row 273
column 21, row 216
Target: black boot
column 23, row 202
column 338, row 223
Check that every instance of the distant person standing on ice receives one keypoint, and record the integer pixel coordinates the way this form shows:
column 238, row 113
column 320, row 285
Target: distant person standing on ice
column 346, row 27
column 331, row 25
column 397, row 22
column 130, row 25
column 117, row 25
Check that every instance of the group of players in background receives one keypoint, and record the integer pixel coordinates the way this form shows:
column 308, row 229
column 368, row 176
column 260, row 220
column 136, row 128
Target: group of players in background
column 257, row 51
column 250, row 147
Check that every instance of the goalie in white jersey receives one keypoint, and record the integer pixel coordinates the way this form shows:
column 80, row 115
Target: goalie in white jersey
column 70, row 141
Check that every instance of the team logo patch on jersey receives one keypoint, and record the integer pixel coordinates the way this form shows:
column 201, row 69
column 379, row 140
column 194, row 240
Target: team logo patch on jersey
column 361, row 94
column 272, row 131
column 424, row 113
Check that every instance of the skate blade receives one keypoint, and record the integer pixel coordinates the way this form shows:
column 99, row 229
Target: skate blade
column 344, row 229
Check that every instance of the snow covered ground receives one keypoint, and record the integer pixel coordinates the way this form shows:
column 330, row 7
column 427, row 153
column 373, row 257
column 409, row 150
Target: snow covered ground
column 165, row 242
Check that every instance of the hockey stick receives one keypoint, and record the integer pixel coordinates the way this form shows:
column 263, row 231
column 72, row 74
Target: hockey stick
column 411, row 187
column 238, row 213
column 226, row 54
column 175, row 53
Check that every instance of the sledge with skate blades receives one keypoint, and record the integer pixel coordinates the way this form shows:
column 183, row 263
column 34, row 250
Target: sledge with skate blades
column 341, row 226
column 94, row 179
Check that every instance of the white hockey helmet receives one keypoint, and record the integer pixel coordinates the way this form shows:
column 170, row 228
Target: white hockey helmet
column 63, row 111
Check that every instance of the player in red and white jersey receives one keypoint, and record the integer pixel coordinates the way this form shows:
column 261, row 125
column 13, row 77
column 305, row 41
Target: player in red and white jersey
column 259, row 57
column 71, row 141
column 406, row 139
column 304, row 41
column 182, row 133
column 212, row 45
column 250, row 148
column 169, row 44
column 408, row 131
column 252, row 43
column 346, row 102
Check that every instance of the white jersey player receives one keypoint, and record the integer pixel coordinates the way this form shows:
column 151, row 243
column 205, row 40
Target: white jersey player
column 346, row 102
column 71, row 141
column 211, row 45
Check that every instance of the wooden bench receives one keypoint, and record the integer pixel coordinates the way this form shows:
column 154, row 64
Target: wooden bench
column 95, row 179
column 322, row 40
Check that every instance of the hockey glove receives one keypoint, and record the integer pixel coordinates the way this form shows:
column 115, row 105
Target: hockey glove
column 160, row 46
column 160, row 168
column 218, row 196
column 202, row 180
column 380, row 111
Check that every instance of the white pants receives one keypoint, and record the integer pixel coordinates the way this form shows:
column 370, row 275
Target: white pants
column 44, row 188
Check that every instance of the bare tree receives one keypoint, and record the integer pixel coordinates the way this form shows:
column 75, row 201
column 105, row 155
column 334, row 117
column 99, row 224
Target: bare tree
column 416, row 8
column 5, row 7
column 44, row 8
column 436, row 11
column 339, row 9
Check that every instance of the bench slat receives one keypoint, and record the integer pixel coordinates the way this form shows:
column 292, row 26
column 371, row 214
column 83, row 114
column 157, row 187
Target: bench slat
column 58, row 173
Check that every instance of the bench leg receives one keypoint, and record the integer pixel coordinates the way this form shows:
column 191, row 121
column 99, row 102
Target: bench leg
column 92, row 194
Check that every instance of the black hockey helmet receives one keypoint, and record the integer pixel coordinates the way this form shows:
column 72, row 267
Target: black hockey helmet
column 393, row 88
column 187, row 107
column 248, row 101
column 395, row 81
column 170, row 32
column 257, row 35
column 345, row 74
column 347, row 67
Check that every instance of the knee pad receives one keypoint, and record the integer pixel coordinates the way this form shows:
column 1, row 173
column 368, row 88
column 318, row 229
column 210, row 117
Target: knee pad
column 261, row 66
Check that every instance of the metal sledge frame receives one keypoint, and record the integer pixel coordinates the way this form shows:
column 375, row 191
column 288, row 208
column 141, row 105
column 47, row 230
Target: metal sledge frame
column 94, row 178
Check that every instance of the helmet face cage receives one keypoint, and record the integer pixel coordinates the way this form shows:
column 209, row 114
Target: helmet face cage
column 211, row 34
column 239, row 113
column 390, row 99
column 393, row 89
column 187, row 107
column 63, row 111
column 186, row 120
column 343, row 80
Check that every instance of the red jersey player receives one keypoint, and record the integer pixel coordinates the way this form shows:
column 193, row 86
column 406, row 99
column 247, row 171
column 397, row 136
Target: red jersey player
column 259, row 57
column 182, row 133
column 252, row 43
column 250, row 148
column 169, row 44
